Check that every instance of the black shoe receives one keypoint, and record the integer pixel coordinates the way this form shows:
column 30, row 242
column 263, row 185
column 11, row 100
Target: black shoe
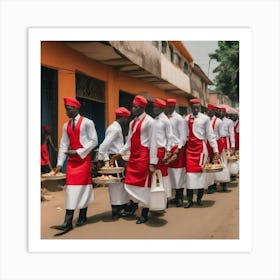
column 199, row 202
column 81, row 222
column 189, row 204
column 173, row 201
column 63, row 227
column 141, row 220
column 131, row 209
column 179, row 203
column 225, row 188
column 210, row 189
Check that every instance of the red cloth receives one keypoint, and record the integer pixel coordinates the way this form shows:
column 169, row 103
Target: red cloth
column 220, row 143
column 122, row 112
column 159, row 103
column 211, row 107
column 46, row 128
column 194, row 150
column 226, row 142
column 77, row 169
column 45, row 158
column 171, row 102
column 137, row 168
column 236, row 135
column 160, row 165
column 195, row 101
column 70, row 101
column 140, row 101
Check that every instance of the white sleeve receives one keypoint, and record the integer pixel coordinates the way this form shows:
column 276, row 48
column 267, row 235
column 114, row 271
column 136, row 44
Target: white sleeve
column 91, row 142
column 153, row 145
column 170, row 136
column 183, row 129
column 210, row 135
column 64, row 146
column 104, row 147
column 231, row 134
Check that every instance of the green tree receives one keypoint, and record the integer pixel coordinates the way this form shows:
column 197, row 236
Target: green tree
column 227, row 79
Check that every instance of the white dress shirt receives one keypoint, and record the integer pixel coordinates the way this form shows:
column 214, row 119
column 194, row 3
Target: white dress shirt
column 145, row 134
column 228, row 130
column 112, row 143
column 179, row 128
column 203, row 130
column 162, row 136
column 88, row 138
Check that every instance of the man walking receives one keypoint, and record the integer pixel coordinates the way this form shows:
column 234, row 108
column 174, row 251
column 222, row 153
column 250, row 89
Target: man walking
column 216, row 124
column 228, row 141
column 198, row 130
column 137, row 180
column 162, row 141
column 78, row 139
column 176, row 169
column 111, row 145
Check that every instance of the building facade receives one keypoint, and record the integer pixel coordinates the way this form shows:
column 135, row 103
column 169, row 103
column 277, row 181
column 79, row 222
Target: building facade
column 104, row 75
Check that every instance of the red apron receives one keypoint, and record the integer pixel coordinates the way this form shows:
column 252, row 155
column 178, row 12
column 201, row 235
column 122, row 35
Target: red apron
column 194, row 151
column 160, row 165
column 77, row 169
column 137, row 169
column 226, row 142
column 236, row 135
column 45, row 159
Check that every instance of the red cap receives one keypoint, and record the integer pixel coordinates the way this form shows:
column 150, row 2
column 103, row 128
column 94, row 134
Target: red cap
column 122, row 112
column 46, row 128
column 195, row 101
column 223, row 108
column 70, row 101
column 140, row 101
column 211, row 107
column 159, row 103
column 171, row 102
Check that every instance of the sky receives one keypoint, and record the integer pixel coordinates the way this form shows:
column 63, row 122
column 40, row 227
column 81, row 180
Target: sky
column 199, row 51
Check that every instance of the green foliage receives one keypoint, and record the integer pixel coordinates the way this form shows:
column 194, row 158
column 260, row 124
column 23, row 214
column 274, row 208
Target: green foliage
column 227, row 79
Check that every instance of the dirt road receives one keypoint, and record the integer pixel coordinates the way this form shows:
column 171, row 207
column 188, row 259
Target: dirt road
column 218, row 218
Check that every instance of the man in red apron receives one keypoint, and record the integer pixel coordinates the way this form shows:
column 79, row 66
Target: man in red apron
column 162, row 142
column 79, row 137
column 198, row 130
column 176, row 169
column 216, row 124
column 137, row 179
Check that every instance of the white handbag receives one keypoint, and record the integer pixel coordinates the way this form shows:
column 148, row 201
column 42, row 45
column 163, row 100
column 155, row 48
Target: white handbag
column 233, row 168
column 224, row 175
column 158, row 198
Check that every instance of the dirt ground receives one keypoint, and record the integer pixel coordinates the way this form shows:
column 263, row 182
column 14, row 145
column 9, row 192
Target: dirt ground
column 218, row 218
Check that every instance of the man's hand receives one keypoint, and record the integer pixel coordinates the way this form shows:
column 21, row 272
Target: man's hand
column 100, row 163
column 216, row 157
column 152, row 168
column 71, row 153
column 114, row 158
column 57, row 169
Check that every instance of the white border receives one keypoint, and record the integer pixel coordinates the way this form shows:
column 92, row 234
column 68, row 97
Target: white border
column 36, row 35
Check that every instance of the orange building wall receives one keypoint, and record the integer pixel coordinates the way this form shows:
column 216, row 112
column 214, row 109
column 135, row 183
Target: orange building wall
column 67, row 61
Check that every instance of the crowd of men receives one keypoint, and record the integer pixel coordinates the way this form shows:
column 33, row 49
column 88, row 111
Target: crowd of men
column 177, row 146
